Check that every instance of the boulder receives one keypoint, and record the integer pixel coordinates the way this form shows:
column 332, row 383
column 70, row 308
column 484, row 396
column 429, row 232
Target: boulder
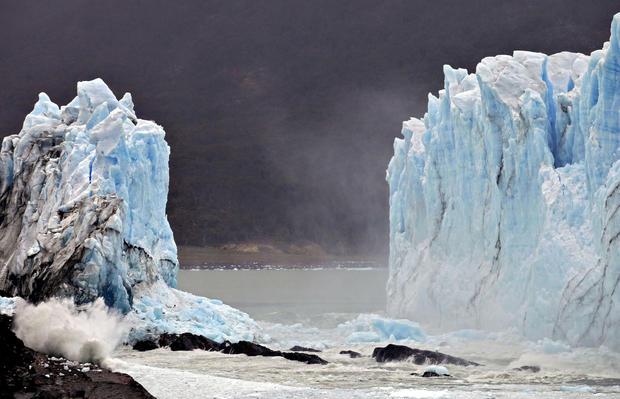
column 392, row 353
column 25, row 373
column 352, row 354
column 298, row 348
column 145, row 345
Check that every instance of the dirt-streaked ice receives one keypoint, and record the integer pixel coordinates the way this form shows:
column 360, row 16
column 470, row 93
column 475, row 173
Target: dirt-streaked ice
column 83, row 192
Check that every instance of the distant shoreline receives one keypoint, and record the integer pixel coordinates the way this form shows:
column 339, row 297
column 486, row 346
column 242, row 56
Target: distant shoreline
column 257, row 257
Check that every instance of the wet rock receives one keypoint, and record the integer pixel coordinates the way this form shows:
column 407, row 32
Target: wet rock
column 298, row 348
column 188, row 342
column 249, row 348
column 25, row 373
column 303, row 357
column 166, row 339
column 352, row 354
column 533, row 369
column 252, row 349
column 392, row 353
column 145, row 345
column 433, row 374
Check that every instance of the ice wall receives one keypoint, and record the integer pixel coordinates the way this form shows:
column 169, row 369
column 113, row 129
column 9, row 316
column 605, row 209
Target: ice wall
column 83, row 191
column 505, row 199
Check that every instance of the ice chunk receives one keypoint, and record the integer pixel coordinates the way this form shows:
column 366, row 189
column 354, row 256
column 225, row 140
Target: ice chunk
column 160, row 309
column 373, row 328
column 85, row 190
column 580, row 388
column 7, row 305
column 363, row 336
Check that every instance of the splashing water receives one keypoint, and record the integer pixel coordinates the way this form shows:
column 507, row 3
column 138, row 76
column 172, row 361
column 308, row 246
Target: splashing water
column 87, row 333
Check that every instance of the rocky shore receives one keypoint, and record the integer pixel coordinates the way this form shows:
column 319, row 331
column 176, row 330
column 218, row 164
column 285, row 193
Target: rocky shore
column 25, row 373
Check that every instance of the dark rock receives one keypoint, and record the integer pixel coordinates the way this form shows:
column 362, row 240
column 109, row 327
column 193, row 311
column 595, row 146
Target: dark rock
column 434, row 374
column 303, row 357
column 188, row 342
column 252, row 349
column 166, row 339
column 249, row 348
column 25, row 373
column 533, row 369
column 298, row 348
column 145, row 345
column 393, row 353
column 352, row 354
column 13, row 352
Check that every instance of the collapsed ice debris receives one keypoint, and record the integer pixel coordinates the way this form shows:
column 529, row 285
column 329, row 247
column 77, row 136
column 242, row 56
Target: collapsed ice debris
column 505, row 199
column 83, row 191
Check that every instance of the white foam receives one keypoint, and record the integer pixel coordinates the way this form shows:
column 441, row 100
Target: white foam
column 59, row 327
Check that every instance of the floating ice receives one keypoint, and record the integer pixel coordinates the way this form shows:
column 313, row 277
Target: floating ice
column 373, row 328
column 363, row 336
column 160, row 309
column 549, row 346
column 505, row 199
column 7, row 305
column 580, row 388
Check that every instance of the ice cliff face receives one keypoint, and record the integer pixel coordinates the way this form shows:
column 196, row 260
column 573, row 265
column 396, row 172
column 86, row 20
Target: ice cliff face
column 505, row 199
column 83, row 191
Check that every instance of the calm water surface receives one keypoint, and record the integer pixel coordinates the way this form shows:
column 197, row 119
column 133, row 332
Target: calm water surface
column 288, row 296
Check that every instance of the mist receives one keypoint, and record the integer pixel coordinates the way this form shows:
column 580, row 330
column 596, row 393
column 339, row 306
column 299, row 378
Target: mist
column 86, row 333
column 280, row 115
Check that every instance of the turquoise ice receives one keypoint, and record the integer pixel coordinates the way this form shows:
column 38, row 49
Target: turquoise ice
column 505, row 199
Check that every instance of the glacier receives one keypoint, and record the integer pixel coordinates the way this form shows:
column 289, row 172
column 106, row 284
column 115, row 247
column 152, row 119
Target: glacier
column 83, row 192
column 505, row 199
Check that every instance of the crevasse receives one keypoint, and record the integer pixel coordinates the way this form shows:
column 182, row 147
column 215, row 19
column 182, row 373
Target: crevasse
column 505, row 199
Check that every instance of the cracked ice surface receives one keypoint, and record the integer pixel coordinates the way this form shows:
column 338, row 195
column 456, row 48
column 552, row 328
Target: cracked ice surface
column 505, row 199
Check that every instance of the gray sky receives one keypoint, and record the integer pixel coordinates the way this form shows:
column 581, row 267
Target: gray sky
column 280, row 114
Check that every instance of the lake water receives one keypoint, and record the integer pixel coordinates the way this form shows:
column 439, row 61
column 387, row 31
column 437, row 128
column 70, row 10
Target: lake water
column 292, row 295
column 322, row 309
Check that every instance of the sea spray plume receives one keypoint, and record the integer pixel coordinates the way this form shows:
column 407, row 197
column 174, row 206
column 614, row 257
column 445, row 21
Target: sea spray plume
column 87, row 333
